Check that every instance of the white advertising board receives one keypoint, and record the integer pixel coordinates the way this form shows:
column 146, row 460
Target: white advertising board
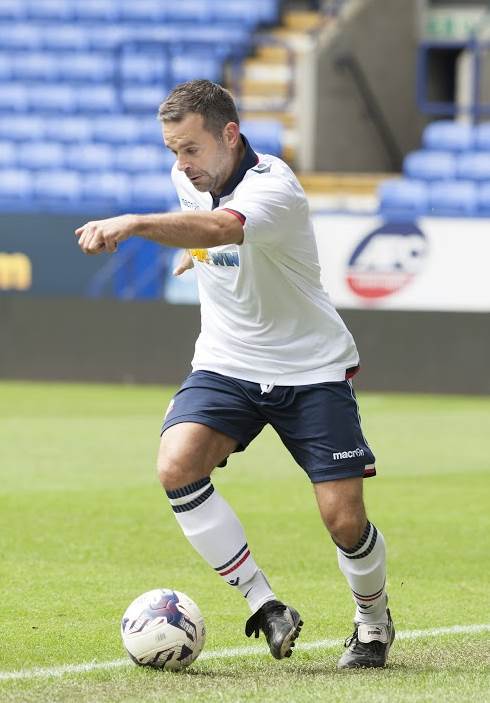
column 430, row 264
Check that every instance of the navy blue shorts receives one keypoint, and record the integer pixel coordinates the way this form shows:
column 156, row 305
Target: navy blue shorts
column 318, row 423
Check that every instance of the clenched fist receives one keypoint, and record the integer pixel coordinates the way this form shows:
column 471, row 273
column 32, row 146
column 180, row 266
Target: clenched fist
column 104, row 235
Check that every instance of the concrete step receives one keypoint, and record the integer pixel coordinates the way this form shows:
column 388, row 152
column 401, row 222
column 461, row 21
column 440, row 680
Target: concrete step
column 287, row 118
column 303, row 21
column 342, row 183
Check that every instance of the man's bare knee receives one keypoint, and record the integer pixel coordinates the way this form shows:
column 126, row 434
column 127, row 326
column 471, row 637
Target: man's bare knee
column 189, row 452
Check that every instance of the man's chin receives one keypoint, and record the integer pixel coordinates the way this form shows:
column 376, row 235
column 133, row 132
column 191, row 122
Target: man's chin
column 201, row 187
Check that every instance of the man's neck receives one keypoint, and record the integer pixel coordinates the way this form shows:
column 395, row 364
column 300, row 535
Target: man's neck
column 238, row 156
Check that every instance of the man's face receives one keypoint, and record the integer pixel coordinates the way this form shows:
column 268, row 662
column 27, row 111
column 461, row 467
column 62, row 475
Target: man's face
column 206, row 161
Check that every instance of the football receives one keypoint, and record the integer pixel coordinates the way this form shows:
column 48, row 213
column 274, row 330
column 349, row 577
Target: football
column 163, row 629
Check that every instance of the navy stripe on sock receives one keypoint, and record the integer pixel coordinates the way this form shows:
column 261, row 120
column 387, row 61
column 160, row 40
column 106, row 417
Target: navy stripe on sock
column 228, row 563
column 187, row 490
column 194, row 503
column 368, row 550
column 361, row 542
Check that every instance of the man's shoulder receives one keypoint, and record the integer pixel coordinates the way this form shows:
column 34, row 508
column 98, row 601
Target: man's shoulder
column 270, row 172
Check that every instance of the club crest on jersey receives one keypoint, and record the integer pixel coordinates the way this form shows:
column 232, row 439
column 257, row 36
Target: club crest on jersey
column 262, row 168
column 220, row 258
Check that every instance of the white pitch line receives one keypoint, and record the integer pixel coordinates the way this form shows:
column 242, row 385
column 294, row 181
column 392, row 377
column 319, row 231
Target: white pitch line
column 233, row 652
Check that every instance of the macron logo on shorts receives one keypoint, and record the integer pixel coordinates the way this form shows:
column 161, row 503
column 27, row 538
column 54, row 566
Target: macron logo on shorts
column 348, row 455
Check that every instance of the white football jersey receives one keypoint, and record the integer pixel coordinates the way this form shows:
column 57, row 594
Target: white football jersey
column 264, row 314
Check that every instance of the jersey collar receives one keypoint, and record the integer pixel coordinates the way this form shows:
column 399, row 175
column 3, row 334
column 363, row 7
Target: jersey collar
column 249, row 160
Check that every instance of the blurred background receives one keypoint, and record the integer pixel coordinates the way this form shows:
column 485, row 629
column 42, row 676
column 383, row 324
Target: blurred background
column 382, row 108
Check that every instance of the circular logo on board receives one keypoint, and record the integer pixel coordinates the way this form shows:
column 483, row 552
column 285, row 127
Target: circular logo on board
column 387, row 260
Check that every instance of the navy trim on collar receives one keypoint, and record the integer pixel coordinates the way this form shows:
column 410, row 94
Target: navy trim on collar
column 250, row 159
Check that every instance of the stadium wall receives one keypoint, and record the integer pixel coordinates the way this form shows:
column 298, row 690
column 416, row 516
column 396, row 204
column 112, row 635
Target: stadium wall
column 152, row 342
column 381, row 35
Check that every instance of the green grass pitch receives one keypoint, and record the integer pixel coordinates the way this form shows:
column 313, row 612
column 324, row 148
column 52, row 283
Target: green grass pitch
column 85, row 527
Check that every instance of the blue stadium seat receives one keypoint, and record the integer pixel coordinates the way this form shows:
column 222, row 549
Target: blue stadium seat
column 484, row 199
column 403, row 198
column 195, row 11
column 150, row 129
column 21, row 127
column 40, row 155
column 52, row 97
column 109, row 37
column 474, row 166
column 429, row 165
column 89, row 157
column 446, row 135
column 57, row 185
column 68, row 129
column 7, row 154
column 111, row 186
column 7, row 69
column 189, row 65
column 143, row 10
column 143, row 67
column 13, row 96
column 117, row 129
column 15, row 184
column 243, row 11
column 59, row 10
column 69, row 37
column 12, row 10
column 145, row 98
column 140, row 157
column 94, row 66
column 36, row 65
column 96, row 10
column 265, row 136
column 22, row 35
column 482, row 136
column 153, row 190
column 96, row 98
column 453, row 198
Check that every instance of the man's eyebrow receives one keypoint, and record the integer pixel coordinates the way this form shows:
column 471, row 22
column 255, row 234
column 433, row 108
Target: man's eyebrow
column 185, row 145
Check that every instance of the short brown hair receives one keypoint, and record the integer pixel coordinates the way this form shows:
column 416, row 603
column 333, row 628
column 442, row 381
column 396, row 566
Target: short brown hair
column 201, row 97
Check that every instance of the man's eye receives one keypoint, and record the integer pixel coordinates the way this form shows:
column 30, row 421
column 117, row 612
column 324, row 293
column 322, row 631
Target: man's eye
column 191, row 151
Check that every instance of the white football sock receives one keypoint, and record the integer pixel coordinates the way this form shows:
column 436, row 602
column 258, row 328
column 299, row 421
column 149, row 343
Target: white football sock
column 365, row 569
column 215, row 532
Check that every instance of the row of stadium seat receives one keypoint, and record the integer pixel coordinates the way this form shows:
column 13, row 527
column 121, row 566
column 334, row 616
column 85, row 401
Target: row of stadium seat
column 403, row 198
column 447, row 135
column 265, row 135
column 227, row 38
column 101, row 67
column 195, row 11
column 90, row 156
column 85, row 157
column 438, row 165
column 60, row 190
column 82, row 98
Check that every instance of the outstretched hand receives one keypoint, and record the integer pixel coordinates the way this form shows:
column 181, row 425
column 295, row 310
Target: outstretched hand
column 104, row 235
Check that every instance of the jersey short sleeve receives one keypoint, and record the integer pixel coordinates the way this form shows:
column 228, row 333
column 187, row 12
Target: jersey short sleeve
column 267, row 203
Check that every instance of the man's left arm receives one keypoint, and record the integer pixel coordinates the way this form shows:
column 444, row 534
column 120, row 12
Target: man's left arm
column 186, row 230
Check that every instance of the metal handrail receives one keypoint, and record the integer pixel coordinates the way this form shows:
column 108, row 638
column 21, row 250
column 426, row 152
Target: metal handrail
column 350, row 63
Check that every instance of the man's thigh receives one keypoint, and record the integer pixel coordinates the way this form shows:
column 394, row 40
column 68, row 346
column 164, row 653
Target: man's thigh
column 218, row 402
column 322, row 430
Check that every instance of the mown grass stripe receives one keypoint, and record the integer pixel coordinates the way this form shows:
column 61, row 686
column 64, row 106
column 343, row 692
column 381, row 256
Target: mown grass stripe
column 233, row 652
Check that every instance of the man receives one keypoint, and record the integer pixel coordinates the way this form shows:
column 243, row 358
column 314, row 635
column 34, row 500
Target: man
column 272, row 349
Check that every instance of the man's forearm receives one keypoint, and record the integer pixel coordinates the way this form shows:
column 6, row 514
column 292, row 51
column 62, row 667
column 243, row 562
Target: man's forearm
column 186, row 230
column 190, row 230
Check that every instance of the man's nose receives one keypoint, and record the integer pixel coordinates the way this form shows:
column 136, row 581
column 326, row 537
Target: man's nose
column 182, row 164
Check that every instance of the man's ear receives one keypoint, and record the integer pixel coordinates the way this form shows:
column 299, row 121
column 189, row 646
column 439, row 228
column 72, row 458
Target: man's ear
column 231, row 134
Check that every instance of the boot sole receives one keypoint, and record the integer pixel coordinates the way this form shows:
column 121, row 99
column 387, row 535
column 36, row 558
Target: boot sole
column 288, row 642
